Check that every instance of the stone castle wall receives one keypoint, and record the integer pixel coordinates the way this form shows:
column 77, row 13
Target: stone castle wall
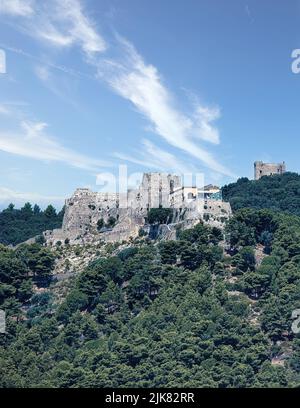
column 85, row 208
column 268, row 169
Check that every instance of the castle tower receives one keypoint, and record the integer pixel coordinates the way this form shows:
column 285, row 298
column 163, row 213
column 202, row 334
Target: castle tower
column 268, row 169
column 156, row 188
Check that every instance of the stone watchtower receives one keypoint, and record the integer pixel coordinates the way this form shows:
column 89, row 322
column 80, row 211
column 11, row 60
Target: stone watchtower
column 268, row 169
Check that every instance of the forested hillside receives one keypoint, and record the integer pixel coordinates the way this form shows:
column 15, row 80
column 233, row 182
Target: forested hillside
column 181, row 313
column 277, row 192
column 19, row 225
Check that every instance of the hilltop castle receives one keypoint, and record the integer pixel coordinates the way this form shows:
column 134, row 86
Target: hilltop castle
column 112, row 217
column 268, row 169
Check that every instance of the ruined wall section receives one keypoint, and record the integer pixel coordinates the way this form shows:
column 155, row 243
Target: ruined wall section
column 268, row 169
column 156, row 188
column 85, row 208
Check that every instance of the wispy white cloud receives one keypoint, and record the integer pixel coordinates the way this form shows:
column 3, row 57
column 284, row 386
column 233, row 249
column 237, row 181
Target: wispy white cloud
column 45, row 64
column 50, row 33
column 32, row 141
column 154, row 157
column 81, row 28
column 249, row 14
column 142, row 85
column 8, row 195
column 59, row 85
column 23, row 8
column 42, row 72
column 59, row 22
column 66, row 23
column 204, row 128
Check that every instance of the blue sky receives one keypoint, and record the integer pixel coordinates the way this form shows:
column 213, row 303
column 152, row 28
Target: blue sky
column 178, row 86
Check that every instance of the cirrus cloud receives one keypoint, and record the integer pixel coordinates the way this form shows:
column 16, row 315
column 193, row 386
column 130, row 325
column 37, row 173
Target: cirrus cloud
column 141, row 84
column 23, row 8
column 31, row 141
column 65, row 22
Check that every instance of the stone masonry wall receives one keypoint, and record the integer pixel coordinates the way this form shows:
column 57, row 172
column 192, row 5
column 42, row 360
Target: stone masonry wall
column 267, row 169
column 85, row 208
